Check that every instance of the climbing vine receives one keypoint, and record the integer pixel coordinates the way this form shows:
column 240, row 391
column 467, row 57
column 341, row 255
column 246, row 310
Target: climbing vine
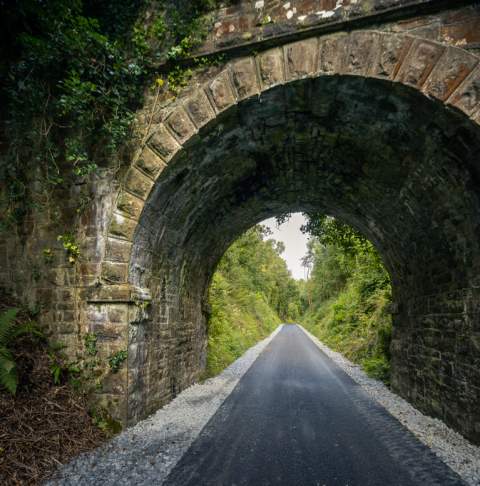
column 74, row 74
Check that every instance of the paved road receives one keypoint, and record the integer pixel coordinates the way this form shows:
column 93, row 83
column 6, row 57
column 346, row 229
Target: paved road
column 296, row 418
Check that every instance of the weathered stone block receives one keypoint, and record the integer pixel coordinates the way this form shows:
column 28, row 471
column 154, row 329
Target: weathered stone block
column 114, row 272
column 390, row 55
column 221, row 92
column 332, row 51
column 244, row 75
column 419, row 63
column 150, row 163
column 362, row 48
column 138, row 183
column 163, row 143
column 452, row 68
column 129, row 204
column 122, row 227
column 180, row 124
column 118, row 250
column 108, row 294
column 301, row 59
column 467, row 95
column 271, row 67
column 118, row 313
column 199, row 108
column 476, row 117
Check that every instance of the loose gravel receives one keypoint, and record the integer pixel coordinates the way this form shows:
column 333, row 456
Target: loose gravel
column 454, row 450
column 146, row 453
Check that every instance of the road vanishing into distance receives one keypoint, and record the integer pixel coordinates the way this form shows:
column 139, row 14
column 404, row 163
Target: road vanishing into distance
column 297, row 419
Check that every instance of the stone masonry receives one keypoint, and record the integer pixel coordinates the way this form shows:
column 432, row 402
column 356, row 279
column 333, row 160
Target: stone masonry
column 367, row 110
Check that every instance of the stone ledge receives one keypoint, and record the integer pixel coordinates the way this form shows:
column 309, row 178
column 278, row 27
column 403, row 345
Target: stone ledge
column 113, row 294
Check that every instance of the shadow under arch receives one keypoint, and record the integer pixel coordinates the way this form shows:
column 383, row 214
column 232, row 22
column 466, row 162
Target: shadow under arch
column 394, row 164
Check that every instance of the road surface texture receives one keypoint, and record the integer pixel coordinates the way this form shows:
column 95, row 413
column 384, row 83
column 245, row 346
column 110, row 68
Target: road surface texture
column 297, row 419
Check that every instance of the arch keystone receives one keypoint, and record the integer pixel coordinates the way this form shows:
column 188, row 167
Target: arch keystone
column 419, row 63
column 163, row 143
column 180, row 125
column 331, row 53
column 452, row 68
column 301, row 59
column 361, row 51
column 271, row 68
column 221, row 92
column 244, row 75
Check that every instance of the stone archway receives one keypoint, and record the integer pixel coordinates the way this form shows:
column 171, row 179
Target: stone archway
column 378, row 129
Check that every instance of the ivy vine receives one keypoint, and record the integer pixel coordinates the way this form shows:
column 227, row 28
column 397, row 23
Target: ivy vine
column 73, row 74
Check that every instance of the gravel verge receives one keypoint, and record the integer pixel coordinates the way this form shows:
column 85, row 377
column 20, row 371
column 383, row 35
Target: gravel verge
column 453, row 449
column 147, row 452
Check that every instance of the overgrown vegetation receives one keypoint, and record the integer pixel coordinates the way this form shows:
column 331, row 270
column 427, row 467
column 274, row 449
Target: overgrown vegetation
column 251, row 293
column 345, row 302
column 72, row 75
column 348, row 293
column 43, row 420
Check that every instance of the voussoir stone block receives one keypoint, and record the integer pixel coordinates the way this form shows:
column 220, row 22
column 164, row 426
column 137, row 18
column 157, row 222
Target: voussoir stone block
column 244, row 75
column 452, row 68
column 118, row 250
column 129, row 204
column 180, row 124
column 419, row 63
column 362, row 48
column 391, row 53
column 199, row 108
column 221, row 92
column 332, row 51
column 271, row 67
column 163, row 143
column 114, row 272
column 138, row 183
column 122, row 227
column 150, row 163
column 301, row 59
column 476, row 117
column 467, row 96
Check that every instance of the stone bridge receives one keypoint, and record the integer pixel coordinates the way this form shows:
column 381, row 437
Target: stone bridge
column 367, row 110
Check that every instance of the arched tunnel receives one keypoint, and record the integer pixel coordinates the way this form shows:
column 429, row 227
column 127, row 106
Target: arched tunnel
column 398, row 166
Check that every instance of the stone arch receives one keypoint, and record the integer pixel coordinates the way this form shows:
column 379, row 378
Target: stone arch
column 442, row 81
column 448, row 74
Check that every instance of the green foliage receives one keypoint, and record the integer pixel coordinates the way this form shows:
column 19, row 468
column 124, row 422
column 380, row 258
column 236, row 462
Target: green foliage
column 10, row 331
column 69, row 245
column 331, row 231
column 8, row 367
column 349, row 294
column 73, row 74
column 115, row 360
column 104, row 421
column 252, row 291
column 90, row 342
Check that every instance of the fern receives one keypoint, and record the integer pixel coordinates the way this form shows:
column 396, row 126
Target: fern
column 10, row 330
column 8, row 367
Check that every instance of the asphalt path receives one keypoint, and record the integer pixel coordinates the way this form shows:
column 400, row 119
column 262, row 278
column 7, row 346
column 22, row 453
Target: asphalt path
column 296, row 418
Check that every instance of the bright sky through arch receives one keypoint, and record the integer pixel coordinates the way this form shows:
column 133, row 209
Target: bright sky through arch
column 294, row 240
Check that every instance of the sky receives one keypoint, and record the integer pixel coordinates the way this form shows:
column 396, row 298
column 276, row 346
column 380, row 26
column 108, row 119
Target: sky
column 294, row 240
